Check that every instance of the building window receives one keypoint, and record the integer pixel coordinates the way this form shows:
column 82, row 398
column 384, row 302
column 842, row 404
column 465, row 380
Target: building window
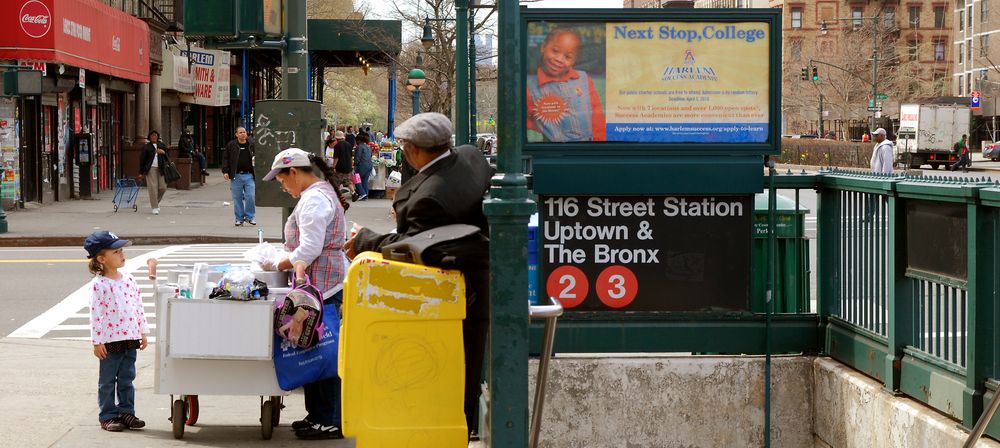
column 795, row 49
column 796, row 17
column 984, row 11
column 968, row 50
column 939, row 51
column 968, row 16
column 856, row 14
column 913, row 49
column 961, row 53
column 968, row 83
column 914, row 17
column 961, row 85
column 939, row 17
column 889, row 17
column 961, row 20
column 984, row 45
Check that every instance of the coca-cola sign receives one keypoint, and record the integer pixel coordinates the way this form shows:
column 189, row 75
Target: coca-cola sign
column 36, row 20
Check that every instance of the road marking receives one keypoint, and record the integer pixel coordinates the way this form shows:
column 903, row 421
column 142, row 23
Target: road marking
column 46, row 261
column 37, row 327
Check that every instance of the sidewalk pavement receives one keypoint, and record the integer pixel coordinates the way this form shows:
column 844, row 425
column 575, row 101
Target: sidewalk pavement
column 51, row 400
column 199, row 215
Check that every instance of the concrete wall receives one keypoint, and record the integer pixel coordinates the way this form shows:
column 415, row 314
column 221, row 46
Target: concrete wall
column 853, row 411
column 689, row 402
column 675, row 402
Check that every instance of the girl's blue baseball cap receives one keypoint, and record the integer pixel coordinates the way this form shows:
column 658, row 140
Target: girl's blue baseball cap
column 103, row 239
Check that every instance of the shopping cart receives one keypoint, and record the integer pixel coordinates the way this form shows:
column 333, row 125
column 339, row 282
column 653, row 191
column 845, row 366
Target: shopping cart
column 126, row 191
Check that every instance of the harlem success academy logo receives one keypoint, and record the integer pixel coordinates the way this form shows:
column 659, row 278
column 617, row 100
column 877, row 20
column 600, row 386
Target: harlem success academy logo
column 689, row 70
column 36, row 20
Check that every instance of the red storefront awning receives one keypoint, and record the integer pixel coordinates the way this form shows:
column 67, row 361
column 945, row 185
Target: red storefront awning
column 80, row 33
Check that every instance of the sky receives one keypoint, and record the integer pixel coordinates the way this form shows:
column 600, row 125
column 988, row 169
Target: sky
column 387, row 5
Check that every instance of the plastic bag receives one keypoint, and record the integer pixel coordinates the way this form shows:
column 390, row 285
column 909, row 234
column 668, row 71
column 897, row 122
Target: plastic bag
column 239, row 282
column 261, row 253
column 395, row 180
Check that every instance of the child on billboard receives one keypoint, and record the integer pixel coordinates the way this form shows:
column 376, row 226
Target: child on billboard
column 563, row 104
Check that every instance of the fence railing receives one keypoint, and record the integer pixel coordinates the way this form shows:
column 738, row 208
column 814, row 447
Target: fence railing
column 908, row 281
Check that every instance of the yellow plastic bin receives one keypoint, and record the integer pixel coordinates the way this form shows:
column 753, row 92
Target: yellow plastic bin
column 401, row 359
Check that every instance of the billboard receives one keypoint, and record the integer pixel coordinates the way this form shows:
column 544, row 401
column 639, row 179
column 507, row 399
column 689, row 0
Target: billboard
column 657, row 78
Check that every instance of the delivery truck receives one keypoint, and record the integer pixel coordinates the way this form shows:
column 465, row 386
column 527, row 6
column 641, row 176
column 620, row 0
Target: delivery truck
column 928, row 132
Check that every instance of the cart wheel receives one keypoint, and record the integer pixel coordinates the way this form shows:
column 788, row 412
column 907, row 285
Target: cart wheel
column 192, row 410
column 278, row 405
column 267, row 413
column 177, row 417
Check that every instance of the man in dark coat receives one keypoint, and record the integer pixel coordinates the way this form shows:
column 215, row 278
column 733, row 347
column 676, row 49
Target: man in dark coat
column 237, row 168
column 447, row 189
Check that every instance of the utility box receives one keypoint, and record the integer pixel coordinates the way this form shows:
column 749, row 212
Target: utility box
column 791, row 291
column 401, row 358
column 277, row 126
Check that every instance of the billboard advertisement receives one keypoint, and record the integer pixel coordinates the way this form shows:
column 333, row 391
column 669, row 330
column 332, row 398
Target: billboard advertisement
column 651, row 81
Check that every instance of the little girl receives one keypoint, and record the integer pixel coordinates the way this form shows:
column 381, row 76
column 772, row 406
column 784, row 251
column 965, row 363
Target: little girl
column 117, row 328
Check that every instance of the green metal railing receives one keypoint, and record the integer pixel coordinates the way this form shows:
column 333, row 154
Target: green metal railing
column 908, row 283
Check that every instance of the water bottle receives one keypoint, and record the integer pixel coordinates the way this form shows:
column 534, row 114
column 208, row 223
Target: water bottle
column 184, row 283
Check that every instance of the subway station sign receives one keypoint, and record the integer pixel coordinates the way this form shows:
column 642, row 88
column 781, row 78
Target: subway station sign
column 646, row 253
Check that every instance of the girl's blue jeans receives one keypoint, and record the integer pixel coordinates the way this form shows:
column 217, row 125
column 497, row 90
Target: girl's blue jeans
column 115, row 379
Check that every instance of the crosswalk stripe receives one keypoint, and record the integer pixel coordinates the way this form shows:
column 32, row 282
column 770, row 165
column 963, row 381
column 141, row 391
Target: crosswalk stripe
column 65, row 317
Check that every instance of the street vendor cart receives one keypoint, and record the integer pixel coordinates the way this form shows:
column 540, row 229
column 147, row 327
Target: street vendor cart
column 216, row 347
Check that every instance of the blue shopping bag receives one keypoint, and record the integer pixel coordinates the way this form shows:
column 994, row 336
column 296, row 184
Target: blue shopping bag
column 296, row 367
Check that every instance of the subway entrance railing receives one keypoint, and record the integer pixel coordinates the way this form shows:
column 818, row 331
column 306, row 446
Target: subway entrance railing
column 907, row 291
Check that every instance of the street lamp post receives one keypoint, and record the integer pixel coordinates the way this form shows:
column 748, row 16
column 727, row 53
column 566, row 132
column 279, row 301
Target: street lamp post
column 877, row 20
column 414, row 80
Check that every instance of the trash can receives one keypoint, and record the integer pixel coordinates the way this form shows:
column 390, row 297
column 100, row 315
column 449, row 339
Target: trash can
column 401, row 361
column 791, row 290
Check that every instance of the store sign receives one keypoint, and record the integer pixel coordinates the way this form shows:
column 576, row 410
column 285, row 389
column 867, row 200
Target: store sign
column 176, row 71
column 76, row 33
column 34, row 65
column 36, row 19
column 646, row 253
column 210, row 75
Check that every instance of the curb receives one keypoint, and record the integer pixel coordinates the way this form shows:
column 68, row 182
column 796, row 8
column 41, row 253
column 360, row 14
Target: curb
column 148, row 240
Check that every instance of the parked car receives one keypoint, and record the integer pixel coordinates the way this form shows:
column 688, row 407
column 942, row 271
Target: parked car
column 992, row 152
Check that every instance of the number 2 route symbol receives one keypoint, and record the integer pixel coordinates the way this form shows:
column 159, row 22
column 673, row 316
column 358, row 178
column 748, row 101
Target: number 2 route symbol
column 568, row 284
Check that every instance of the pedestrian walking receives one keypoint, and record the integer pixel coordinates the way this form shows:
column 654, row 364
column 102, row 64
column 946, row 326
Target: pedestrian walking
column 237, row 168
column 363, row 164
column 343, row 166
column 314, row 235
column 153, row 158
column 118, row 328
column 881, row 161
column 962, row 150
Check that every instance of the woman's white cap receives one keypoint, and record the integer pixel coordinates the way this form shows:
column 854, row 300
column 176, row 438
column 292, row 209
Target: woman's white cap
column 287, row 159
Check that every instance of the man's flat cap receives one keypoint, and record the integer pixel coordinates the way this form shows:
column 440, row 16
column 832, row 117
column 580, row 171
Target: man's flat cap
column 426, row 130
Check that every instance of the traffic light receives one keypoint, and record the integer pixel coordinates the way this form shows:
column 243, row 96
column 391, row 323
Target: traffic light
column 805, row 73
column 815, row 74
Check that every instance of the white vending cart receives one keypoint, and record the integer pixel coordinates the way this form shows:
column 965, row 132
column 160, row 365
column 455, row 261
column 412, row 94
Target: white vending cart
column 216, row 347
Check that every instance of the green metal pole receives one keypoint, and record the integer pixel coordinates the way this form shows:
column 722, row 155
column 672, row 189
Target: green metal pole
column 295, row 55
column 508, row 209
column 416, row 101
column 772, row 196
column 461, row 71
column 472, row 78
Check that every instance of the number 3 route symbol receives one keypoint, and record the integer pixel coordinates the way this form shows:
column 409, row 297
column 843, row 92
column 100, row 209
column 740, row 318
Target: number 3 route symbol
column 617, row 286
column 568, row 284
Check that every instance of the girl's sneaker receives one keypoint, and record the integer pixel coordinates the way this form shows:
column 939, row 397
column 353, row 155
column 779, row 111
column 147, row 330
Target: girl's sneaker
column 130, row 421
column 112, row 425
